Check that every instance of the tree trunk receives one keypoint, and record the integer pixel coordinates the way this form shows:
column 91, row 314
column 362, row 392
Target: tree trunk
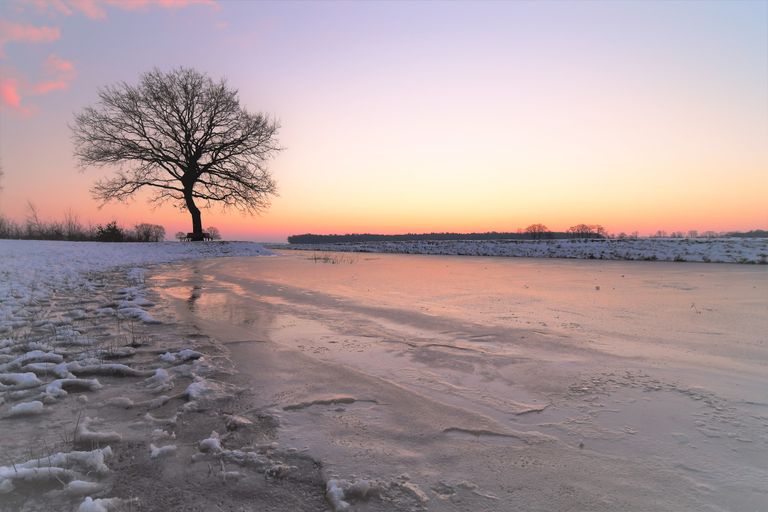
column 197, row 223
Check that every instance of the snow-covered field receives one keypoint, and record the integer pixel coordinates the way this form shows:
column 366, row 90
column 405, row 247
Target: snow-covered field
column 716, row 250
column 70, row 329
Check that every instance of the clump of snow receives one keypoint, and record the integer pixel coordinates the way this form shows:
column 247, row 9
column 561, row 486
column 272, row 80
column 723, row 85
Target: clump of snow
column 19, row 381
column 120, row 401
column 156, row 452
column 103, row 504
column 26, row 408
column 211, row 444
column 93, row 367
column 83, row 487
column 58, row 467
column 206, row 389
column 159, row 433
column 338, row 491
column 160, row 381
column 198, row 389
column 180, row 356
column 58, row 387
column 84, row 434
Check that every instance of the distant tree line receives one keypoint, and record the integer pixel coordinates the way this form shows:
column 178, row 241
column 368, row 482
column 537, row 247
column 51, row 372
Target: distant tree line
column 33, row 228
column 755, row 233
column 535, row 232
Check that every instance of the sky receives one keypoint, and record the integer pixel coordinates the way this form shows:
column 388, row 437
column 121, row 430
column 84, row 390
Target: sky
column 419, row 116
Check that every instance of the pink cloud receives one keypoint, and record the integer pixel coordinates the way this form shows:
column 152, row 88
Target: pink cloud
column 60, row 71
column 90, row 8
column 46, row 87
column 9, row 93
column 10, row 98
column 51, row 6
column 19, row 32
column 96, row 9
column 57, row 74
column 55, row 64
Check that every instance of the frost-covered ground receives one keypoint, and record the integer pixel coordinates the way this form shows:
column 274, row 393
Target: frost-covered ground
column 93, row 387
column 717, row 250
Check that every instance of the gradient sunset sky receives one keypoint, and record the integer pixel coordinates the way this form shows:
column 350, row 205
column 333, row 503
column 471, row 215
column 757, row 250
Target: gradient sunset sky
column 420, row 116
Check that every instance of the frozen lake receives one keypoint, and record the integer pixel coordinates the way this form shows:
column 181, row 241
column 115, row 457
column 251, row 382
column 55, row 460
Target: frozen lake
column 503, row 384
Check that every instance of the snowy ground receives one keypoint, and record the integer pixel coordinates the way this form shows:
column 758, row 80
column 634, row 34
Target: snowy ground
column 92, row 385
column 717, row 250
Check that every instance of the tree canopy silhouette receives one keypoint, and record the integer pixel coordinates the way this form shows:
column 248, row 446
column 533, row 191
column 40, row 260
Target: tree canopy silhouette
column 182, row 135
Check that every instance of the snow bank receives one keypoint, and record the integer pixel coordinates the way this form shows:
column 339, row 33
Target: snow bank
column 716, row 250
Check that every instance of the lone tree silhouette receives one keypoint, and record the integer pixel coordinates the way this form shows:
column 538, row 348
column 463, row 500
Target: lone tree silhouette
column 183, row 135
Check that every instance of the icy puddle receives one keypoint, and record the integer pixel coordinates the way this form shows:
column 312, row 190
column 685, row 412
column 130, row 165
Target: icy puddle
column 459, row 383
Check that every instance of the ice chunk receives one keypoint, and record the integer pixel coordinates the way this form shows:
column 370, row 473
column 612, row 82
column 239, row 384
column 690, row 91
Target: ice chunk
column 19, row 380
column 26, row 408
column 162, row 451
column 84, row 434
column 83, row 487
column 160, row 381
column 181, row 356
column 102, row 504
column 211, row 444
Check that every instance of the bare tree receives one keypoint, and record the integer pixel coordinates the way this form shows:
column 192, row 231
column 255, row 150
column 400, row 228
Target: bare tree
column 182, row 135
column 537, row 231
column 149, row 232
column 580, row 231
column 213, row 232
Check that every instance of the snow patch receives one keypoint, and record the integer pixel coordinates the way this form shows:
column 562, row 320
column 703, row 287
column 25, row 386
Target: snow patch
column 26, row 408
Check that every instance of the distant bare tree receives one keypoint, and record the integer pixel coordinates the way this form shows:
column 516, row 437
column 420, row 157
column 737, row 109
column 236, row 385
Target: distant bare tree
column 580, row 231
column 149, row 233
column 182, row 135
column 180, row 236
column 537, row 231
column 213, row 232
column 72, row 227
